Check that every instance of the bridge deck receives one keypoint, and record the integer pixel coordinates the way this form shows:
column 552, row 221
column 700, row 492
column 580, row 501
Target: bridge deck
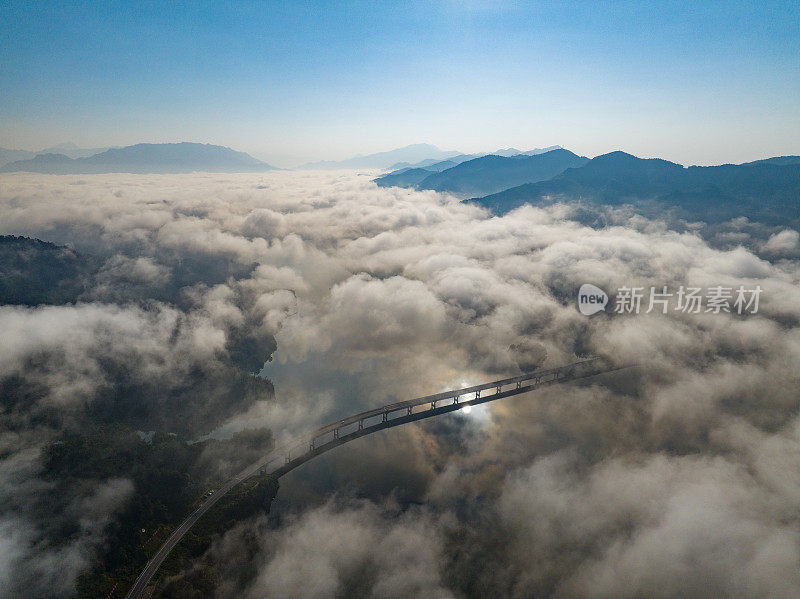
column 287, row 457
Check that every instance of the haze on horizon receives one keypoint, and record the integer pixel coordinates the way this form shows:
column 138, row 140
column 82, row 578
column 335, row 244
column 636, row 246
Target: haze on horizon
column 291, row 83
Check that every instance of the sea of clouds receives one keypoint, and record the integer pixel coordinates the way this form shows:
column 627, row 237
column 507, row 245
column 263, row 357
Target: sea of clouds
column 677, row 478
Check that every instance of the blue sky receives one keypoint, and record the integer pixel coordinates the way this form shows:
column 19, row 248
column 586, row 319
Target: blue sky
column 695, row 82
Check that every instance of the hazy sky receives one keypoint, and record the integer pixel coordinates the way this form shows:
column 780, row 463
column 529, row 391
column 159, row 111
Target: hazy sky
column 689, row 81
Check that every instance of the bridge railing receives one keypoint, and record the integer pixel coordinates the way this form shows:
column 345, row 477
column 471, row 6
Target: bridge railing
column 466, row 395
column 305, row 444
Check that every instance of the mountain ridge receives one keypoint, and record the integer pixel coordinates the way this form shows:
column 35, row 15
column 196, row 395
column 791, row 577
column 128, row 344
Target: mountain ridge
column 767, row 190
column 183, row 157
column 459, row 158
column 486, row 174
column 69, row 149
column 492, row 173
column 382, row 160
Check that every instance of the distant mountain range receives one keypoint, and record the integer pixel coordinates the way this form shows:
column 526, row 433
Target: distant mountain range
column 767, row 190
column 7, row 155
column 144, row 158
column 433, row 165
column 408, row 154
column 188, row 157
column 487, row 174
column 405, row 177
column 67, row 149
column 71, row 150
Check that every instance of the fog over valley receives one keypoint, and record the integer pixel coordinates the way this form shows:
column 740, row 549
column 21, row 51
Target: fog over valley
column 168, row 330
column 446, row 300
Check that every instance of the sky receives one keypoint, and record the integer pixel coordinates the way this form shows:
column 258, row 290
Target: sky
column 697, row 83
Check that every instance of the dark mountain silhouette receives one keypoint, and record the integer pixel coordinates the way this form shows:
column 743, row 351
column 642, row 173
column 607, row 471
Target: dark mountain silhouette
column 494, row 173
column 36, row 272
column 145, row 158
column 409, row 176
column 438, row 167
column 489, row 173
column 779, row 160
column 406, row 177
column 766, row 191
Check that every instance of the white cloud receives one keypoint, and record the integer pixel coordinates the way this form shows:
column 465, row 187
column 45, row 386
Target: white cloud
column 380, row 294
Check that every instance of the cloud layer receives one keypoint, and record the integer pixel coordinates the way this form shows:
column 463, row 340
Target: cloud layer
column 675, row 478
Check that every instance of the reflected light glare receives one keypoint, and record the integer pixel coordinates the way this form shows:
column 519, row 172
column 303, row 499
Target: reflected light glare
column 466, row 409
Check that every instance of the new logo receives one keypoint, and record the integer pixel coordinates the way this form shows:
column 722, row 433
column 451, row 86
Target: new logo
column 591, row 299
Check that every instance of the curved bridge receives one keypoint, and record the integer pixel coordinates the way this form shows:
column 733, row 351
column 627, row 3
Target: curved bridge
column 291, row 455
